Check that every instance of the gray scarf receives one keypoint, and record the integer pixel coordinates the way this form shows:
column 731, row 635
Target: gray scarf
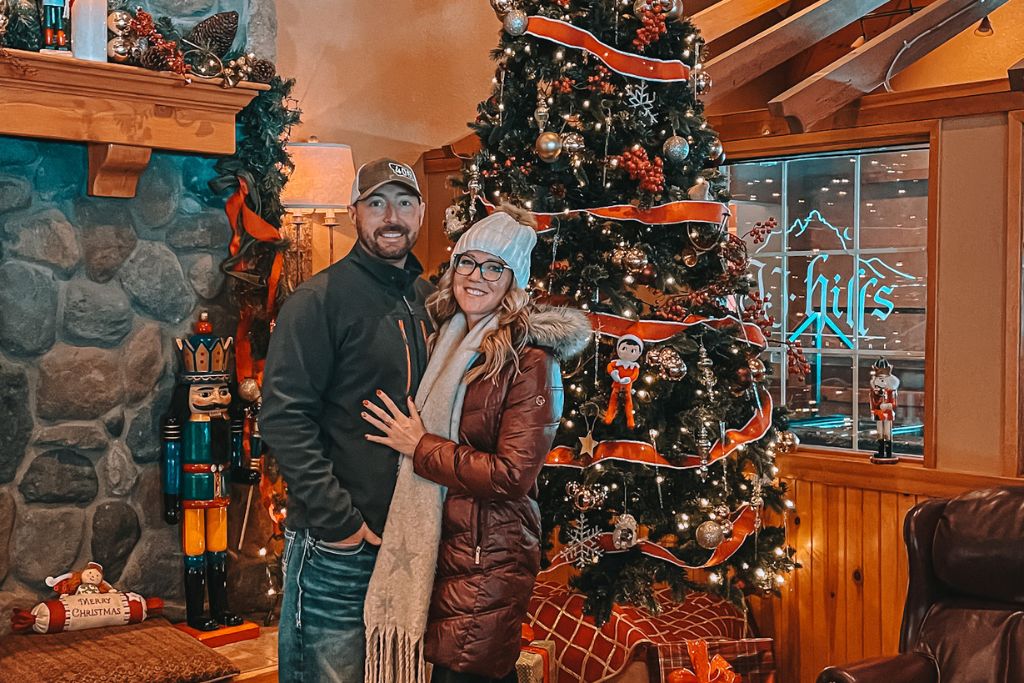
column 398, row 598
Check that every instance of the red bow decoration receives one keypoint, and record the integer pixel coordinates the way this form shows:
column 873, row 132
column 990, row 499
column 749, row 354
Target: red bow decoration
column 705, row 670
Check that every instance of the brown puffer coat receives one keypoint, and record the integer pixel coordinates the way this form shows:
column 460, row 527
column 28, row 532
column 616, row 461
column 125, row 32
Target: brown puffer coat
column 490, row 538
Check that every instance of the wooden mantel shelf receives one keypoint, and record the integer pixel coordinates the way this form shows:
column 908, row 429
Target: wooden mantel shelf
column 121, row 112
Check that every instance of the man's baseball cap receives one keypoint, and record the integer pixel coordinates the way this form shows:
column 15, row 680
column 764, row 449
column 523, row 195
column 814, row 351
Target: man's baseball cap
column 374, row 174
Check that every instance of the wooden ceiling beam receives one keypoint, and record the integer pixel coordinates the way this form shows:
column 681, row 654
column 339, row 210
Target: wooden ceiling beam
column 1016, row 74
column 763, row 52
column 863, row 70
column 728, row 15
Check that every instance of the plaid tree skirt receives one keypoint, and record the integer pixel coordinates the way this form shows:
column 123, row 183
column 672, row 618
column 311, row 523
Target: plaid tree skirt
column 587, row 654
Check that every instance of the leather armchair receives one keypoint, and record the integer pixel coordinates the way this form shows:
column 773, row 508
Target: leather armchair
column 963, row 619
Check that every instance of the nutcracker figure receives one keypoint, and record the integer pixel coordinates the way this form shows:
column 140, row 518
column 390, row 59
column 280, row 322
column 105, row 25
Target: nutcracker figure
column 55, row 20
column 202, row 445
column 624, row 370
column 884, row 388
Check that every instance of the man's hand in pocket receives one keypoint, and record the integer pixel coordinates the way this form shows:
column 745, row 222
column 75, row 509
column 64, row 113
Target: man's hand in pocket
column 364, row 534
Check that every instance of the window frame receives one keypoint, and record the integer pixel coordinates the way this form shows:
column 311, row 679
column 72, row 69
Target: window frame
column 925, row 132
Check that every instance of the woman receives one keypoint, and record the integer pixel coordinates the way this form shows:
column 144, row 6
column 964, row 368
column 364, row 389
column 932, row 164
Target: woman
column 488, row 407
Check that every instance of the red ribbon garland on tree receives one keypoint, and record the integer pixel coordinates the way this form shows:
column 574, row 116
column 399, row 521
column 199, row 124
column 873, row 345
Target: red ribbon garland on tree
column 744, row 523
column 646, row 68
column 663, row 214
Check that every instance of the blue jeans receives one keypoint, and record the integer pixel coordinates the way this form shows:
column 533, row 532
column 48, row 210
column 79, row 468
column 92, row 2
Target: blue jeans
column 321, row 637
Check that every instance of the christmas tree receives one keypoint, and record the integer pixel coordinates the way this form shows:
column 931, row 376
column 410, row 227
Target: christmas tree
column 663, row 469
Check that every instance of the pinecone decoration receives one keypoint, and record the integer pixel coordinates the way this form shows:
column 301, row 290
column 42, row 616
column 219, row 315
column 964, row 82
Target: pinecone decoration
column 263, row 71
column 154, row 59
column 215, row 33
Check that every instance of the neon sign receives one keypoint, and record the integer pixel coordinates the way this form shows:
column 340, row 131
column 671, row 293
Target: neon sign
column 837, row 305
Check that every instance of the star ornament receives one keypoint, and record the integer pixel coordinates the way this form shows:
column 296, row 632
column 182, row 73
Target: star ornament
column 588, row 444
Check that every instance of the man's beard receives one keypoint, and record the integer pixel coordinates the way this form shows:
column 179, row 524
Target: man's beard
column 390, row 250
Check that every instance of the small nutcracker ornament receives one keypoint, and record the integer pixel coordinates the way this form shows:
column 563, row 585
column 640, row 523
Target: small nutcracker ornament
column 202, row 445
column 624, row 371
column 884, row 388
column 55, row 17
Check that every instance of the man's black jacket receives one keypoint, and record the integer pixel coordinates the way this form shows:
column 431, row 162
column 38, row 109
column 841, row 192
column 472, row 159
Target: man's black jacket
column 354, row 328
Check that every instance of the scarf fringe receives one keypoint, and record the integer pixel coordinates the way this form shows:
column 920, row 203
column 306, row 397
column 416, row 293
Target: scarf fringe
column 394, row 656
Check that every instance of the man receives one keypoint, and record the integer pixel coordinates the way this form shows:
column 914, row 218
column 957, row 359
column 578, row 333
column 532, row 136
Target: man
column 355, row 328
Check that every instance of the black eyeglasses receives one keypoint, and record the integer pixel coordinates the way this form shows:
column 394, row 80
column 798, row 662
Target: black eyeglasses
column 489, row 270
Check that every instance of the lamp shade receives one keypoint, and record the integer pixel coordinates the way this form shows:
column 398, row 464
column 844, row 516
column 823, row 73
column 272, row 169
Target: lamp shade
column 323, row 176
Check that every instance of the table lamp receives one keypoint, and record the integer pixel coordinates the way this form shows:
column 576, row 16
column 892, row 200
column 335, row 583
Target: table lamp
column 320, row 183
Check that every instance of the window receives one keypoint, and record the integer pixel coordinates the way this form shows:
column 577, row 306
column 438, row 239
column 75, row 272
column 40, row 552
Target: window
column 845, row 273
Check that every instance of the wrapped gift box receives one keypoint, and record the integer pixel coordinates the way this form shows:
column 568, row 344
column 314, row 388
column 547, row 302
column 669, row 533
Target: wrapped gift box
column 751, row 658
column 537, row 663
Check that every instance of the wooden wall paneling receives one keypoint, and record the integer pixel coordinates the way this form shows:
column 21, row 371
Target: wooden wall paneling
column 1013, row 435
column 871, row 569
column 853, row 578
column 887, row 537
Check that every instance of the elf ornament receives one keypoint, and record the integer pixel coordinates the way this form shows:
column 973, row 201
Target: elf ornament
column 884, row 388
column 624, row 371
column 202, row 444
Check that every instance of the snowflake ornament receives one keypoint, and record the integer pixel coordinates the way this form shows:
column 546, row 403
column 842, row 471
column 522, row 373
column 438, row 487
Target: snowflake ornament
column 583, row 548
column 641, row 101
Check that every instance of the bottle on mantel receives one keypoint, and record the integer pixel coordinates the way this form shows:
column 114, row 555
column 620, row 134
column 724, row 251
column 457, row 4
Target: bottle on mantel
column 89, row 29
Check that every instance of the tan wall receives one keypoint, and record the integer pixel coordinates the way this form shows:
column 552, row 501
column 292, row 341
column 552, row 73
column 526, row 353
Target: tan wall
column 968, row 58
column 393, row 78
column 970, row 296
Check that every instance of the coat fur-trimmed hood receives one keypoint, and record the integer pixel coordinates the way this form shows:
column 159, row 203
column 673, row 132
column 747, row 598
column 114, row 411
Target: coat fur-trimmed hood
column 565, row 331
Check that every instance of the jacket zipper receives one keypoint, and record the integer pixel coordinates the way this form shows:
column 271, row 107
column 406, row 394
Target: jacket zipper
column 415, row 347
column 481, row 522
column 408, row 358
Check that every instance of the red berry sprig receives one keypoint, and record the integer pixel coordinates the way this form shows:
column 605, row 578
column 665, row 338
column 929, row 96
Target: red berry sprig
column 651, row 174
column 653, row 28
column 796, row 361
column 762, row 230
column 757, row 313
column 599, row 80
column 563, row 85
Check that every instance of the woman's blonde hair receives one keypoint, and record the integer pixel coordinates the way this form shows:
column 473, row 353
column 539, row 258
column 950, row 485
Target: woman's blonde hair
column 502, row 346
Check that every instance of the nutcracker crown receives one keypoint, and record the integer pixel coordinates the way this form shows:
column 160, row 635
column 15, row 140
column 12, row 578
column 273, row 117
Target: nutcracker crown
column 204, row 357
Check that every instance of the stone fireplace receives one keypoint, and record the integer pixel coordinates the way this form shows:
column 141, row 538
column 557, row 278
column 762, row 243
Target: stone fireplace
column 92, row 294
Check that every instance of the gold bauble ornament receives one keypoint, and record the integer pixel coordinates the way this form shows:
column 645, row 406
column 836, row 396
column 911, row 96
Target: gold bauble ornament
column 516, row 22
column 120, row 49
column 249, row 390
column 715, row 149
column 118, row 22
column 710, row 535
column 549, row 146
column 634, row 260
column 757, row 369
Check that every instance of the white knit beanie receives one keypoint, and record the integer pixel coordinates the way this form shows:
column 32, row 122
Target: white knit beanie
column 503, row 236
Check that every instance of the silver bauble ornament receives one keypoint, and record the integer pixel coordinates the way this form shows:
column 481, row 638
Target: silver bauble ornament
column 625, row 534
column 249, row 390
column 120, row 49
column 549, row 146
column 710, row 535
column 502, row 7
column 573, row 142
column 676, row 149
column 541, row 115
column 702, row 83
column 674, row 10
column 516, row 22
column 715, row 149
column 118, row 22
